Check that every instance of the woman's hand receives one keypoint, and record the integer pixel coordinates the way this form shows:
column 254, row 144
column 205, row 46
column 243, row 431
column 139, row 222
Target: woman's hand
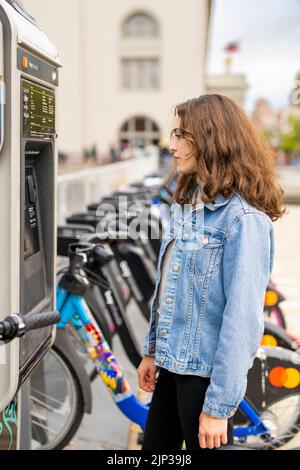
column 147, row 374
column 212, row 431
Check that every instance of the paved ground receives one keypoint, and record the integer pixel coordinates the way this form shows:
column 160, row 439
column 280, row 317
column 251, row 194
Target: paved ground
column 106, row 428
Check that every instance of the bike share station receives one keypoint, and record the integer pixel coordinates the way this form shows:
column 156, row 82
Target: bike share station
column 28, row 163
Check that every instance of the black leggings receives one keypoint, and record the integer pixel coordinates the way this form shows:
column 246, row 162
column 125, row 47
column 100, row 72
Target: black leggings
column 174, row 412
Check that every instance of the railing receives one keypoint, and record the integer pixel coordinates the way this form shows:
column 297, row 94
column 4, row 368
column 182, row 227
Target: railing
column 77, row 190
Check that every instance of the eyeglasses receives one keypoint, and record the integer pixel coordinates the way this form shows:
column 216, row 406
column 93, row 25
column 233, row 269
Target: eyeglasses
column 180, row 133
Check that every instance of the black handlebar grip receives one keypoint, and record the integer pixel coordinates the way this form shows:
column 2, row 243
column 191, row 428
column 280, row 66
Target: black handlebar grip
column 35, row 321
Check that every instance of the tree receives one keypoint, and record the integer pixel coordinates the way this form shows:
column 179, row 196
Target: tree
column 290, row 140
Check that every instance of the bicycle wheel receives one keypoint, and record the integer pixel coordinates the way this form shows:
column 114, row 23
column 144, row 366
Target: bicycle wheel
column 56, row 400
column 275, row 315
column 282, row 418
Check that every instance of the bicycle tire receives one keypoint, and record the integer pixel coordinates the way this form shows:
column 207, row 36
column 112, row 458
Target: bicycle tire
column 67, row 433
column 279, row 441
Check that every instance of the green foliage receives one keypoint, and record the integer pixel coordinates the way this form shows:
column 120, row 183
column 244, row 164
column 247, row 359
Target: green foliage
column 290, row 140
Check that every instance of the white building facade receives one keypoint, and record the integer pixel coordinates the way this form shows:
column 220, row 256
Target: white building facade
column 232, row 85
column 126, row 64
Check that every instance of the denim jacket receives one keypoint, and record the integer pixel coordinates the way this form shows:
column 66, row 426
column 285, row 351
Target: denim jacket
column 211, row 318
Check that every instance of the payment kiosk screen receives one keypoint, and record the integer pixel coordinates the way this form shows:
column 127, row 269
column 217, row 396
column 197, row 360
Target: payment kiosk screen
column 38, row 111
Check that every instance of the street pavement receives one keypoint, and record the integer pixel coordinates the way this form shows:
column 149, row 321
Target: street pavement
column 107, row 428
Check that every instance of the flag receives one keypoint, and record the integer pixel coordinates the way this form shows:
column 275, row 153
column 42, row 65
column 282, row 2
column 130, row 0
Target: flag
column 232, row 46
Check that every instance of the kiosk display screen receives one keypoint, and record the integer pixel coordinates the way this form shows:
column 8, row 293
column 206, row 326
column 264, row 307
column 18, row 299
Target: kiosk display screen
column 38, row 111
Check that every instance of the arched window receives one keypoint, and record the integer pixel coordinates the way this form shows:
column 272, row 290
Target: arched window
column 139, row 131
column 140, row 25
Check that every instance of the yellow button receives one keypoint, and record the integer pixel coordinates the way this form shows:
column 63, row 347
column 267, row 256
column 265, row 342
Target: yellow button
column 205, row 241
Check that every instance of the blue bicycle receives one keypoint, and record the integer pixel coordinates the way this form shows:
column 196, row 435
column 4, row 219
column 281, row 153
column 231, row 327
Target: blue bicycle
column 268, row 417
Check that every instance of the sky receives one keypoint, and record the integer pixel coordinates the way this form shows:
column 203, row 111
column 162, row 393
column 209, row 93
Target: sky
column 269, row 36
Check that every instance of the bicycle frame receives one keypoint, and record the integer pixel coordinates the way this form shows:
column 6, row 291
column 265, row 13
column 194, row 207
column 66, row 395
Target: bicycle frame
column 74, row 308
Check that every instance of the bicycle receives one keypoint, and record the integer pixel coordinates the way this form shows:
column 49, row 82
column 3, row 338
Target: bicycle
column 273, row 381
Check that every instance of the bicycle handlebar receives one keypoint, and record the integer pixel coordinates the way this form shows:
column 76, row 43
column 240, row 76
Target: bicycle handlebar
column 41, row 320
column 16, row 326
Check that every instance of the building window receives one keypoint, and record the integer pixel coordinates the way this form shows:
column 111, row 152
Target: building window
column 140, row 25
column 140, row 59
column 140, row 74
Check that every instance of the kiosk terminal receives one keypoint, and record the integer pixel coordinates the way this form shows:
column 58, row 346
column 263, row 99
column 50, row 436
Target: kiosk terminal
column 29, row 73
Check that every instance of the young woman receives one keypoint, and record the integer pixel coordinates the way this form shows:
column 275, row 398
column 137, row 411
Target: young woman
column 215, row 261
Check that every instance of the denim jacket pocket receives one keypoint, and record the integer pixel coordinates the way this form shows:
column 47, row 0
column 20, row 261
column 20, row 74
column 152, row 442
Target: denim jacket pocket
column 208, row 254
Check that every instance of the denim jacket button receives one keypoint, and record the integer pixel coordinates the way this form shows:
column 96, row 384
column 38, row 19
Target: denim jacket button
column 205, row 241
column 176, row 268
column 169, row 301
column 164, row 333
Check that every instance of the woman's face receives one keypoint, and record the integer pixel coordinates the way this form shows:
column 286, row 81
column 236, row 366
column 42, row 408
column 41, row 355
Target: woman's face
column 182, row 150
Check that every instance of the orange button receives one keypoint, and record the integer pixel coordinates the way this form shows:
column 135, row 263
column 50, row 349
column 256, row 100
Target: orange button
column 25, row 62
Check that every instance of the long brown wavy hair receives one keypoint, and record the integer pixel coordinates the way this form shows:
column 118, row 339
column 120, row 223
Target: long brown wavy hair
column 231, row 153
